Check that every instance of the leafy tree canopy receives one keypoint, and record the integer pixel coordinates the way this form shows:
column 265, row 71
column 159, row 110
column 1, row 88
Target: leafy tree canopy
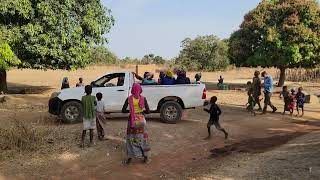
column 203, row 53
column 281, row 33
column 152, row 59
column 103, row 55
column 54, row 33
column 128, row 60
column 7, row 57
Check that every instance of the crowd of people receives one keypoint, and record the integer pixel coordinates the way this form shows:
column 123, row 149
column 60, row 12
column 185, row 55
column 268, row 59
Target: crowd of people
column 168, row 78
column 291, row 99
column 165, row 78
column 136, row 105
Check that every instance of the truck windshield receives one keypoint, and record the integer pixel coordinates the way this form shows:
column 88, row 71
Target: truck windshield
column 110, row 80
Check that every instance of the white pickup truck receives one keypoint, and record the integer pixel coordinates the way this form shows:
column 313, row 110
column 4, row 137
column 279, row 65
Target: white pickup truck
column 168, row 100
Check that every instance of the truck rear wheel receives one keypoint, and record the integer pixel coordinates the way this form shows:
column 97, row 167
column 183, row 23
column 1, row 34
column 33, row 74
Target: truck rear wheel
column 170, row 112
column 71, row 112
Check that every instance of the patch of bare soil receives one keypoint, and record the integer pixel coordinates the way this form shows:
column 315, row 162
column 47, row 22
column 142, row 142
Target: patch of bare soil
column 295, row 160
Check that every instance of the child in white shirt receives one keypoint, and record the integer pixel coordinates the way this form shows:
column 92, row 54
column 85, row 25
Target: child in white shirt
column 101, row 119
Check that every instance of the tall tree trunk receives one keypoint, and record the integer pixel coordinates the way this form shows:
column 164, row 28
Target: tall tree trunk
column 282, row 77
column 3, row 81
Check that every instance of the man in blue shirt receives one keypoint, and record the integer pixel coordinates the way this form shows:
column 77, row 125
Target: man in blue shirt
column 268, row 88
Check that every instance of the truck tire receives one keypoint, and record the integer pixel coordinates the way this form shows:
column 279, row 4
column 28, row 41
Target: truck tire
column 170, row 112
column 71, row 112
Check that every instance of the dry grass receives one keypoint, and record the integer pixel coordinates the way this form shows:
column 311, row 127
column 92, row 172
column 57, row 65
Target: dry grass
column 22, row 136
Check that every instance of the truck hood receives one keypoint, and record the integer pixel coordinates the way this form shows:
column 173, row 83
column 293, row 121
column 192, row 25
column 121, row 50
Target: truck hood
column 71, row 93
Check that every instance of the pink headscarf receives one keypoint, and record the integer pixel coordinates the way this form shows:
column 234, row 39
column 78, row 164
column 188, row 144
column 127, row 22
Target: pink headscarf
column 136, row 93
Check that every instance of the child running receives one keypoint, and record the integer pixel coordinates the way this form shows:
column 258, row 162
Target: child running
column 101, row 119
column 214, row 112
column 89, row 115
column 300, row 97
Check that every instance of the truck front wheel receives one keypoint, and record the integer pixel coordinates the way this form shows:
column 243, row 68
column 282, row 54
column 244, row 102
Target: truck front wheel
column 170, row 112
column 71, row 112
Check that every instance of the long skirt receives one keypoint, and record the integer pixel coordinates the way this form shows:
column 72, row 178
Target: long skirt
column 101, row 124
column 137, row 142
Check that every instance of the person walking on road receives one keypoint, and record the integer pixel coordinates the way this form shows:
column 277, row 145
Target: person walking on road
column 137, row 136
column 256, row 87
column 268, row 88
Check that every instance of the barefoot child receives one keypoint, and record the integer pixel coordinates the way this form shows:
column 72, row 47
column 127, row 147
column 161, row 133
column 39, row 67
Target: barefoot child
column 301, row 98
column 251, row 103
column 291, row 101
column 214, row 112
column 89, row 115
column 101, row 120
column 286, row 98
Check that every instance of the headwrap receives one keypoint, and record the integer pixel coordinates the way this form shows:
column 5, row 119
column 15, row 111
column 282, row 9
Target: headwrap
column 169, row 74
column 64, row 80
column 161, row 74
column 182, row 73
column 136, row 93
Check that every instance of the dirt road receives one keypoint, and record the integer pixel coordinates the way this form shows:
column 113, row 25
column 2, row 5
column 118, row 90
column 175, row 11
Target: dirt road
column 271, row 146
column 176, row 148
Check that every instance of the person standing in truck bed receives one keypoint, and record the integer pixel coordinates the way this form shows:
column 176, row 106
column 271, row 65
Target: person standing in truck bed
column 182, row 78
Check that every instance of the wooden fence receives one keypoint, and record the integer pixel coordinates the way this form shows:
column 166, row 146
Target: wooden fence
column 302, row 75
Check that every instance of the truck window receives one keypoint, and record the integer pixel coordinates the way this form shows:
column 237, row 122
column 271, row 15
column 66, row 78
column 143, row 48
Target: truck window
column 111, row 80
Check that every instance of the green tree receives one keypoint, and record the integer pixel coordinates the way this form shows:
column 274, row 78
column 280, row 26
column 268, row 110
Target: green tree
column 102, row 55
column 280, row 33
column 7, row 60
column 147, row 59
column 203, row 53
column 152, row 59
column 128, row 60
column 51, row 34
column 158, row 60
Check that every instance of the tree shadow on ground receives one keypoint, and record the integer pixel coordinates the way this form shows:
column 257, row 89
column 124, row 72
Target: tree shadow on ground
column 307, row 122
column 125, row 117
column 17, row 88
column 255, row 145
column 155, row 118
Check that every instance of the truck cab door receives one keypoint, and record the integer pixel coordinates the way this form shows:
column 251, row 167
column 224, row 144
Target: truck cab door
column 114, row 88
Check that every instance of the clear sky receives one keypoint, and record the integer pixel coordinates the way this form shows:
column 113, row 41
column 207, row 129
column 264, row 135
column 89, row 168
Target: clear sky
column 159, row 26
